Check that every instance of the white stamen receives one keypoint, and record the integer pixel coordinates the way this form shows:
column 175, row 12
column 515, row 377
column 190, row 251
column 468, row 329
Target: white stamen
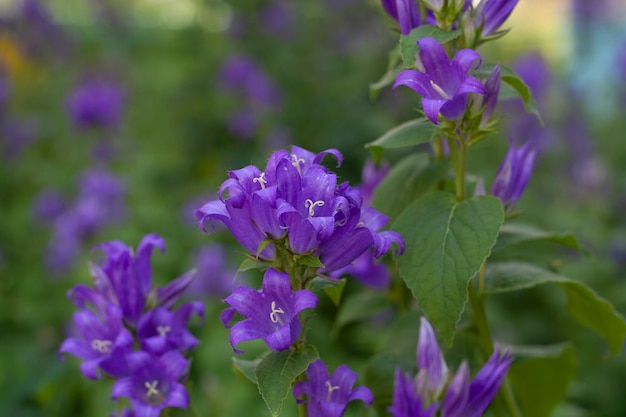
column 310, row 204
column 151, row 386
column 331, row 388
column 163, row 330
column 102, row 346
column 439, row 90
column 261, row 180
column 274, row 314
column 296, row 162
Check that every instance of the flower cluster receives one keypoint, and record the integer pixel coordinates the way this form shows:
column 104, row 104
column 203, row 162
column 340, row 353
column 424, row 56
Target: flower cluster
column 434, row 390
column 128, row 329
column 295, row 206
column 96, row 104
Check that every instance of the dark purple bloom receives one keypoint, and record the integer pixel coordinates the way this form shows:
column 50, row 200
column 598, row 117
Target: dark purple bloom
column 405, row 12
column 443, row 83
column 433, row 371
column 161, row 330
column 514, row 173
column 154, row 383
column 271, row 313
column 241, row 74
column 329, row 395
column 493, row 13
column 405, row 401
column 485, row 105
column 102, row 342
column 371, row 176
column 96, row 103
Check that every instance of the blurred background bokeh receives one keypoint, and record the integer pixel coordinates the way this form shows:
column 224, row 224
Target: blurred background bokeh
column 119, row 118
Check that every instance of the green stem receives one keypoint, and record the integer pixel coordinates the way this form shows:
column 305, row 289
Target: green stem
column 457, row 154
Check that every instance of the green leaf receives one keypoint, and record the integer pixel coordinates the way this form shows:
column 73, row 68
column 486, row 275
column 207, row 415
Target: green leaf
column 332, row 287
column 409, row 179
column 393, row 68
column 309, row 260
column 277, row 371
column 411, row 133
column 251, row 263
column 360, row 306
column 550, row 376
column 408, row 43
column 446, row 243
column 246, row 368
column 515, row 233
column 582, row 303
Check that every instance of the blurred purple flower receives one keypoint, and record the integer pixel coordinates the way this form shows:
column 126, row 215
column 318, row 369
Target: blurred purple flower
column 405, row 12
column 40, row 35
column 277, row 19
column 514, row 173
column 443, row 83
column 48, row 205
column 154, row 383
column 242, row 75
column 214, row 278
column 329, row 395
column 243, row 123
column 96, row 103
column 270, row 314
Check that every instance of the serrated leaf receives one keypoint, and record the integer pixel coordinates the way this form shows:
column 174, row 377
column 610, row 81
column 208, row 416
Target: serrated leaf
column 515, row 233
column 393, row 68
column 446, row 243
column 332, row 287
column 408, row 43
column 250, row 263
column 277, row 371
column 246, row 368
column 582, row 303
column 409, row 179
column 550, row 376
column 411, row 133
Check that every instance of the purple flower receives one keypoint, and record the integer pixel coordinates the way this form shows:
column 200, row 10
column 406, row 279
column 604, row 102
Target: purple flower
column 514, row 173
column 214, row 278
column 48, row 205
column 161, row 330
column 485, row 105
column 443, row 83
column 371, row 176
column 103, row 342
column 96, row 103
column 406, row 402
column 241, row 74
column 271, row 313
column 154, row 383
column 405, row 12
column 329, row 395
column 493, row 13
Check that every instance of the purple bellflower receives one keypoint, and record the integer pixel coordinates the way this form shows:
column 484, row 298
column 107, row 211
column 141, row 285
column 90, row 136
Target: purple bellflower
column 443, row 83
column 96, row 103
column 154, row 383
column 405, row 12
column 271, row 313
column 330, row 394
column 421, row 396
column 514, row 173
column 493, row 13
column 103, row 342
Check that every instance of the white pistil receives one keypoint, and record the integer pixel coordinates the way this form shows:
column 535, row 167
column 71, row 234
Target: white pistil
column 261, row 180
column 163, row 330
column 102, row 346
column 274, row 314
column 439, row 90
column 331, row 388
column 151, row 387
column 310, row 204
column 296, row 162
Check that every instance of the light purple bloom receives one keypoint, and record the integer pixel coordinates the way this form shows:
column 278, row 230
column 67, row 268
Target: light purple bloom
column 330, row 394
column 270, row 314
column 154, row 383
column 443, row 83
column 433, row 371
column 48, row 205
column 514, row 173
column 493, row 13
column 96, row 103
column 406, row 402
column 405, row 12
column 103, row 342
column 490, row 99
column 214, row 277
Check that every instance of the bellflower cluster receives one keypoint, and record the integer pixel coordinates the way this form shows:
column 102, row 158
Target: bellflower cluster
column 96, row 104
column 128, row 330
column 330, row 394
column 296, row 206
column 514, row 173
column 433, row 391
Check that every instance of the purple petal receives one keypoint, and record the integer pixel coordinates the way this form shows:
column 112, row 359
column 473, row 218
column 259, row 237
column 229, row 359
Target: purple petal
column 242, row 332
column 245, row 301
column 122, row 388
column 429, row 357
column 177, row 397
column 174, row 364
column 283, row 337
column 432, row 108
column 457, row 393
column 303, row 299
column 415, row 80
column 467, row 60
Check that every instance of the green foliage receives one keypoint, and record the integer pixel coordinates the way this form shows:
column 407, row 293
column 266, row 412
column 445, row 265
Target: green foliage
column 411, row 133
column 446, row 243
column 409, row 46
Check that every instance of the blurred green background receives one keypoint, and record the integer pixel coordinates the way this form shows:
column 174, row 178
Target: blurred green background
column 183, row 126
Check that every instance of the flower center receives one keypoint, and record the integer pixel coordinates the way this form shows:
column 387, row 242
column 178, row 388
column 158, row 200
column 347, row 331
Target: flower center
column 153, row 395
column 331, row 388
column 163, row 330
column 261, row 180
column 310, row 204
column 439, row 90
column 296, row 162
column 274, row 314
column 102, row 346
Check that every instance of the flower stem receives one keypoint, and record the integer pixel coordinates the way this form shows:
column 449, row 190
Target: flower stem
column 457, row 154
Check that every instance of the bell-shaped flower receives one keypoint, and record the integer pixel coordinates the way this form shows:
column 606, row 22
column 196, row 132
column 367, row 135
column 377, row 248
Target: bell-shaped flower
column 433, row 371
column 406, row 402
column 102, row 342
column 330, row 394
column 161, row 330
column 514, row 173
column 154, row 383
column 405, row 12
column 443, row 83
column 493, row 13
column 270, row 314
